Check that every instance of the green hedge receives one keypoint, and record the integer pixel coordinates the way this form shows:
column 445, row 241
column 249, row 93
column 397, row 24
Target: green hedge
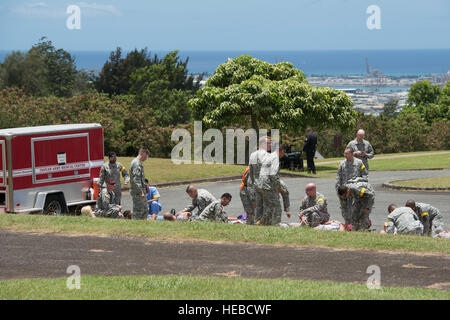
column 129, row 126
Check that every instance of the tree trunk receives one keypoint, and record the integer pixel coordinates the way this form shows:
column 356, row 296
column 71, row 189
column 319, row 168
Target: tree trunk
column 254, row 125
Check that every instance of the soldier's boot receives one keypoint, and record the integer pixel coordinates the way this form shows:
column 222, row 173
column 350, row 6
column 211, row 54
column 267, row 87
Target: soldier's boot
column 313, row 219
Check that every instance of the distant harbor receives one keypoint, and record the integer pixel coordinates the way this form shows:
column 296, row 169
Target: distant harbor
column 370, row 93
column 388, row 76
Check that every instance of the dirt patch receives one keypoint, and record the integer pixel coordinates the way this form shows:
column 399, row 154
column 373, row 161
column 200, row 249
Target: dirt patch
column 26, row 255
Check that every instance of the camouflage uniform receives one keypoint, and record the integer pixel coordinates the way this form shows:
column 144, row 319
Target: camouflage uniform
column 431, row 219
column 111, row 171
column 269, row 183
column 315, row 210
column 214, row 212
column 285, row 196
column 137, row 188
column 105, row 205
column 255, row 162
column 247, row 195
column 405, row 220
column 363, row 198
column 203, row 199
column 363, row 146
column 350, row 171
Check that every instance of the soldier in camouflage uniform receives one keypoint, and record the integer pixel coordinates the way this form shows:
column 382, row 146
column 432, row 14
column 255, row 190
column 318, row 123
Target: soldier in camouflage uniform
column 313, row 210
column 350, row 170
column 255, row 162
column 403, row 219
column 138, row 189
column 363, row 199
column 112, row 171
column 247, row 195
column 271, row 187
column 429, row 216
column 201, row 198
column 215, row 210
column 106, row 206
column 284, row 192
column 362, row 149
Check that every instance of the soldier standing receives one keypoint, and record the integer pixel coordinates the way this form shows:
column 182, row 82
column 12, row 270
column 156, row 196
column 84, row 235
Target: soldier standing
column 269, row 183
column 106, row 206
column 350, row 170
column 285, row 197
column 404, row 220
column 363, row 199
column 112, row 171
column 138, row 190
column 310, row 148
column 430, row 217
column 247, row 194
column 313, row 210
column 255, row 162
column 362, row 149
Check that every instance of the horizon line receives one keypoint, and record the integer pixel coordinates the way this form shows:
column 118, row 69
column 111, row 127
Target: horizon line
column 241, row 50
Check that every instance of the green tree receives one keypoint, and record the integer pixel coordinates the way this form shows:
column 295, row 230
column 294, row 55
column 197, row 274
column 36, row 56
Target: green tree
column 390, row 109
column 60, row 66
column 165, row 87
column 423, row 93
column 428, row 101
column 27, row 71
column 246, row 90
column 114, row 78
column 43, row 70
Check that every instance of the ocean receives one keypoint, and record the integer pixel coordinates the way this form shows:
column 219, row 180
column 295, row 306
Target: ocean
column 333, row 63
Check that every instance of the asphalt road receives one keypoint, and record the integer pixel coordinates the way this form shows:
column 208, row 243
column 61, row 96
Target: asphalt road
column 26, row 255
column 177, row 198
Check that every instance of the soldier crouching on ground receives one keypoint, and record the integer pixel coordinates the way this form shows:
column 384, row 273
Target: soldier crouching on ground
column 215, row 210
column 363, row 199
column 429, row 216
column 313, row 210
column 201, row 198
column 402, row 219
column 106, row 206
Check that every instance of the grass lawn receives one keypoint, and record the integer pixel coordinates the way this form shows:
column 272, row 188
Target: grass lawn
column 381, row 155
column 162, row 230
column 417, row 162
column 159, row 170
column 195, row 287
column 164, row 170
column 437, row 182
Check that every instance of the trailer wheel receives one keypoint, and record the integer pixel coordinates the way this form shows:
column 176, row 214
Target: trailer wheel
column 53, row 205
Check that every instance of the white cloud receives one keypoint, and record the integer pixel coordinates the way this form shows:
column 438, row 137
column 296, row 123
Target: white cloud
column 37, row 10
column 95, row 9
column 43, row 10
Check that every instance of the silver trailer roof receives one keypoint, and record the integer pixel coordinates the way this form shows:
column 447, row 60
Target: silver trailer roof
column 48, row 129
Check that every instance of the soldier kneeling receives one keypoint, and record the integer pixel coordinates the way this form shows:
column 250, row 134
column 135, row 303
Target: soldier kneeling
column 106, row 207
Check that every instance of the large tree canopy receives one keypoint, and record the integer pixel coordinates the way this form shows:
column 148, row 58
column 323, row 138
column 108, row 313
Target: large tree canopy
column 43, row 70
column 429, row 101
column 247, row 90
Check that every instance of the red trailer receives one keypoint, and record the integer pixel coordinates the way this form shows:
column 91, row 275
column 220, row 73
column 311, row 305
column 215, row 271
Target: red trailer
column 49, row 168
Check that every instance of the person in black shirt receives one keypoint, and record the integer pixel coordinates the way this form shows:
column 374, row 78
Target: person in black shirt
column 310, row 148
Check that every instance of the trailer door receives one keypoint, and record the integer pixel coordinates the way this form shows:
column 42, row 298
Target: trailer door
column 58, row 158
column 2, row 164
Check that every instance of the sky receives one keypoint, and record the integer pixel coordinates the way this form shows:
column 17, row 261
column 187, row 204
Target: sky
column 226, row 25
